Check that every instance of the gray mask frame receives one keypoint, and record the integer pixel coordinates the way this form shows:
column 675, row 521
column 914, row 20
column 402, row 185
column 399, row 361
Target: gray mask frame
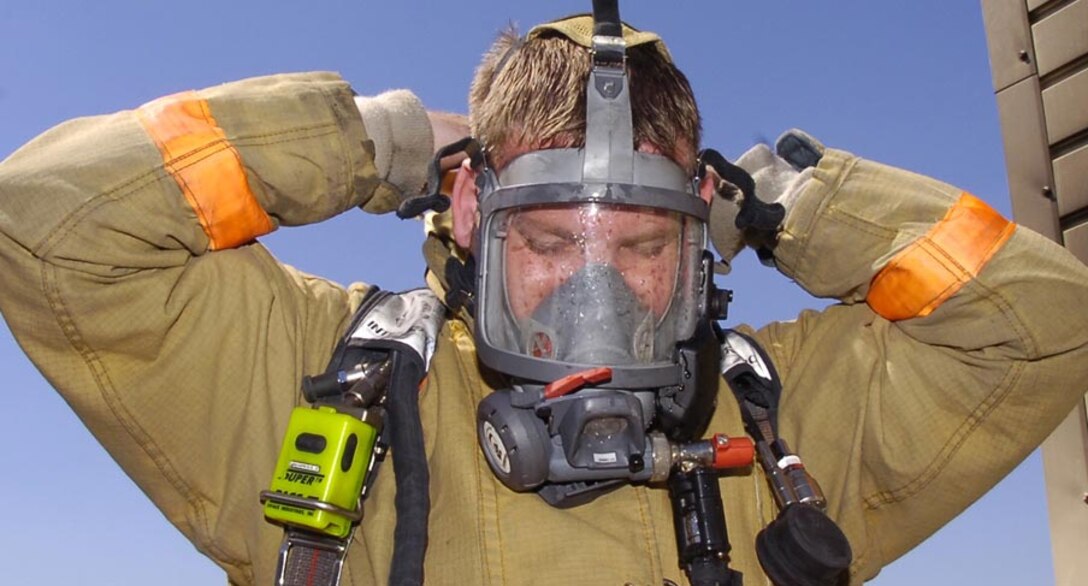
column 608, row 170
column 674, row 197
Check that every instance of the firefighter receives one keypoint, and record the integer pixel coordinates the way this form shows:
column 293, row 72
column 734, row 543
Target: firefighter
column 134, row 280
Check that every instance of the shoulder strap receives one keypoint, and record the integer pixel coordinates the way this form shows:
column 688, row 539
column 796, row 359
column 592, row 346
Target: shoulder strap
column 751, row 376
column 400, row 330
column 802, row 546
column 404, row 321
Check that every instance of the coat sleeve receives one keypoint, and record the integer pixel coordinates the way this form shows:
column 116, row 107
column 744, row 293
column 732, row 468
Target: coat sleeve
column 133, row 280
column 959, row 342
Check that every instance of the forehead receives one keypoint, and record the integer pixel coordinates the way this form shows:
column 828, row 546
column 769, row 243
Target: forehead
column 682, row 152
column 583, row 217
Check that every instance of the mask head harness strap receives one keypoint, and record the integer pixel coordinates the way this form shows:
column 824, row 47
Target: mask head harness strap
column 609, row 153
column 758, row 219
column 434, row 199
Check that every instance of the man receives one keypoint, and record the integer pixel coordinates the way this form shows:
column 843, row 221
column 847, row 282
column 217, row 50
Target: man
column 140, row 324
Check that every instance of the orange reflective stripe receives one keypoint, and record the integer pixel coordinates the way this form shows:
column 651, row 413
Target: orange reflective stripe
column 206, row 166
column 931, row 270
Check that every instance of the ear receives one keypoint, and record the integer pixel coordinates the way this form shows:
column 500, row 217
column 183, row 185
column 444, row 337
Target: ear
column 709, row 184
column 464, row 204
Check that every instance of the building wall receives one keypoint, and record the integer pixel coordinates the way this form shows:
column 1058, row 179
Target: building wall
column 1039, row 60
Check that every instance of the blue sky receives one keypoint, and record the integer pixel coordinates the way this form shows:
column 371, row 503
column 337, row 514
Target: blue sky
column 906, row 83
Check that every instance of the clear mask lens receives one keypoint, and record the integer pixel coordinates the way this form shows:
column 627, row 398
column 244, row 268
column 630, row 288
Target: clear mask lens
column 592, row 283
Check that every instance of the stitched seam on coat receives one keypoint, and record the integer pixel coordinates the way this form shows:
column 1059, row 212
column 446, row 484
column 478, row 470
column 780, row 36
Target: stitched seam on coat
column 803, row 259
column 859, row 561
column 759, row 482
column 1008, row 311
column 951, row 448
column 647, row 534
column 977, row 415
column 196, row 202
column 287, row 135
column 345, row 152
column 159, row 173
column 480, row 516
column 847, row 218
column 116, row 406
column 281, row 138
column 926, row 245
column 43, row 248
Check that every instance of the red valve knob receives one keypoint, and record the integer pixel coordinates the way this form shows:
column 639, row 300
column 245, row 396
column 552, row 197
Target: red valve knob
column 732, row 452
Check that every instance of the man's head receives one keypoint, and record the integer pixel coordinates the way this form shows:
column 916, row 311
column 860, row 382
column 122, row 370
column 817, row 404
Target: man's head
column 530, row 95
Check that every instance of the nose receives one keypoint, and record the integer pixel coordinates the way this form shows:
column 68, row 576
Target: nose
column 597, row 250
column 599, row 238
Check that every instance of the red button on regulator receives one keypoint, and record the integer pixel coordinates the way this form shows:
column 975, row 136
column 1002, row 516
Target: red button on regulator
column 573, row 382
column 732, row 452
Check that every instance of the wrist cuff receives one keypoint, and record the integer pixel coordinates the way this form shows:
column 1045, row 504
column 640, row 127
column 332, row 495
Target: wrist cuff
column 398, row 126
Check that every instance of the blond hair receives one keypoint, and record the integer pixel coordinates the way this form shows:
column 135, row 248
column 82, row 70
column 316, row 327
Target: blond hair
column 531, row 95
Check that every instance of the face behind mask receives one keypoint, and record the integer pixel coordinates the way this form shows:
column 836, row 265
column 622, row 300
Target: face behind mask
column 592, row 318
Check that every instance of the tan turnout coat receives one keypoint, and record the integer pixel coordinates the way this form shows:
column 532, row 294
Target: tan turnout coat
column 132, row 279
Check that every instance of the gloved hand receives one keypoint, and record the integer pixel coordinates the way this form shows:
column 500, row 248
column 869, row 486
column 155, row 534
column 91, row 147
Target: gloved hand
column 779, row 177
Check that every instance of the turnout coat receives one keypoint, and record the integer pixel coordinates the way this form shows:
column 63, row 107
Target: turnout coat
column 134, row 281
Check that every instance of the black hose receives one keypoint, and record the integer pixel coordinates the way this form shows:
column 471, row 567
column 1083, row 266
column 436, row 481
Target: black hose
column 413, row 500
column 702, row 540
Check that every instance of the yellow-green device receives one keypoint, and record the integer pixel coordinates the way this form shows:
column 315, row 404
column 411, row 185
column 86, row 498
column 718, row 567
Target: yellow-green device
column 321, row 471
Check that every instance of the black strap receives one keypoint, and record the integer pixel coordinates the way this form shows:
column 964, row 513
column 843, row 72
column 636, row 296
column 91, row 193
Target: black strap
column 755, row 213
column 606, row 18
column 802, row 546
column 405, row 431
column 434, row 199
column 461, row 284
column 758, row 219
column 340, row 355
column 316, row 560
column 757, row 396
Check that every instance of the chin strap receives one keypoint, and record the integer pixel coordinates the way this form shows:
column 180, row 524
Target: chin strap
column 461, row 284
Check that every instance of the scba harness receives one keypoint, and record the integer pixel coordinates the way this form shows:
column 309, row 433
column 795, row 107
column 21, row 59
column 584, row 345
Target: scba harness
column 365, row 405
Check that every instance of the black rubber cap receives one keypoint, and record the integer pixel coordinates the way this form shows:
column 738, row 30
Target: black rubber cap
column 804, row 547
column 320, row 386
column 713, row 572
